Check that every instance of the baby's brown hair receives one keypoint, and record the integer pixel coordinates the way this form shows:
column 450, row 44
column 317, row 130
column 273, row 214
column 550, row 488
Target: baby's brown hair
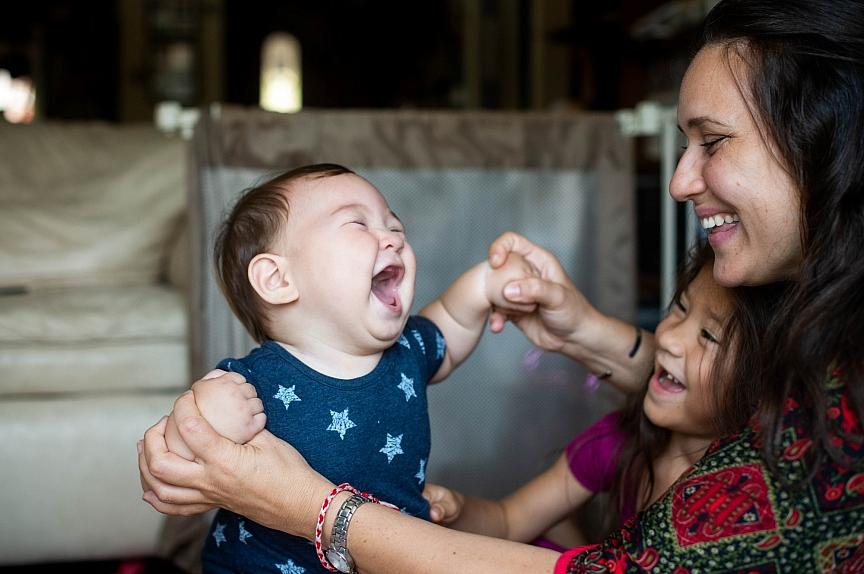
column 250, row 229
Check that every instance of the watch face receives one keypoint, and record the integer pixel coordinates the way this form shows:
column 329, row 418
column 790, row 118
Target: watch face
column 339, row 561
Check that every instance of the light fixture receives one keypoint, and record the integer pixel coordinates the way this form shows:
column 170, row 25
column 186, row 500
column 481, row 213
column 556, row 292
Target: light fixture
column 17, row 98
column 281, row 78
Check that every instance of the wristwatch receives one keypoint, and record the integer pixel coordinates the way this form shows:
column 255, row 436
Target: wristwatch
column 338, row 554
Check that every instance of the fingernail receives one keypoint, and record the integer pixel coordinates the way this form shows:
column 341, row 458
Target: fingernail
column 512, row 290
column 495, row 259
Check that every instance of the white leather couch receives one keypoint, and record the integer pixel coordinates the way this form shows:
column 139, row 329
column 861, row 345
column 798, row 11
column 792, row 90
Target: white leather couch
column 93, row 333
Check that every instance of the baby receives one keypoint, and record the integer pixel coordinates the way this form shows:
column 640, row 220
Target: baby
column 319, row 270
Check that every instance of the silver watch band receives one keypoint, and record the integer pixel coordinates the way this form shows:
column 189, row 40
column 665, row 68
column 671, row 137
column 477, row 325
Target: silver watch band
column 338, row 554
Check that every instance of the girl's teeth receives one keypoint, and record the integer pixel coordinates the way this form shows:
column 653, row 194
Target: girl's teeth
column 671, row 379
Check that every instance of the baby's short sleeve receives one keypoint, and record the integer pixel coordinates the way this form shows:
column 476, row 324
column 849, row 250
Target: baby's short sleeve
column 236, row 366
column 426, row 342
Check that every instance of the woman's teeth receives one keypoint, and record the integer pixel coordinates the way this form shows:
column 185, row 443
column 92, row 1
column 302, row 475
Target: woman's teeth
column 719, row 219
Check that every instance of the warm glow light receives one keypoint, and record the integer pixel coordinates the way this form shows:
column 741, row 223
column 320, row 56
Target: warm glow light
column 17, row 98
column 281, row 78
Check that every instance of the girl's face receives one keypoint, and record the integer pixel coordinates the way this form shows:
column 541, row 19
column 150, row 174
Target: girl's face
column 746, row 201
column 678, row 396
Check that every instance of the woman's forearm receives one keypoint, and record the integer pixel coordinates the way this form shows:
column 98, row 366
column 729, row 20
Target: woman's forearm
column 384, row 541
column 605, row 344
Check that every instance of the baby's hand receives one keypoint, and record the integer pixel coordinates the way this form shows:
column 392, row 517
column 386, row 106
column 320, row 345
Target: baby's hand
column 516, row 267
column 445, row 505
column 231, row 406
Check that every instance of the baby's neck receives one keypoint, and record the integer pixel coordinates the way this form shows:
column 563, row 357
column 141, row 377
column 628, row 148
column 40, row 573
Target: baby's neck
column 332, row 361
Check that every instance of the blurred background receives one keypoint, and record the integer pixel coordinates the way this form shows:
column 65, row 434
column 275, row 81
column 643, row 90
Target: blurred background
column 124, row 64
column 116, row 60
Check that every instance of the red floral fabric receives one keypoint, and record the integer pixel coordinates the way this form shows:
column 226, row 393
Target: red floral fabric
column 730, row 514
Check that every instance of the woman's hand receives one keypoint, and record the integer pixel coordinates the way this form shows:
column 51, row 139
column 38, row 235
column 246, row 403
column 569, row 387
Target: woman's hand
column 566, row 322
column 562, row 308
column 266, row 479
column 445, row 505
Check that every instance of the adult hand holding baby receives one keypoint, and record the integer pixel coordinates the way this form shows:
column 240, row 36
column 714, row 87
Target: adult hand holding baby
column 244, row 478
column 229, row 403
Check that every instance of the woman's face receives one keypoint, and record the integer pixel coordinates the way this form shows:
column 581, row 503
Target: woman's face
column 745, row 200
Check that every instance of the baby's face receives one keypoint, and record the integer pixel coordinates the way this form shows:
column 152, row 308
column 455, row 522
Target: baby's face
column 351, row 262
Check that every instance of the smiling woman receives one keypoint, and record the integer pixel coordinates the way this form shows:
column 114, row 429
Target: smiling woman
column 740, row 188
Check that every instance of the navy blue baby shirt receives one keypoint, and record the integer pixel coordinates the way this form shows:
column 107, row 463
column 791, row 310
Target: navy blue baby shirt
column 372, row 431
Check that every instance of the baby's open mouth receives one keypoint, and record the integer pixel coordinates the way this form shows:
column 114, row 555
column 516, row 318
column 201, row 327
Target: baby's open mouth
column 385, row 286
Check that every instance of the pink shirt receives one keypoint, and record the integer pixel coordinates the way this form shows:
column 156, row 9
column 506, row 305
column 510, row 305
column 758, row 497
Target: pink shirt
column 594, row 456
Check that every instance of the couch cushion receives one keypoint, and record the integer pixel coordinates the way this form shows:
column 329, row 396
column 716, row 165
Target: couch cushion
column 93, row 339
column 70, row 481
column 87, row 204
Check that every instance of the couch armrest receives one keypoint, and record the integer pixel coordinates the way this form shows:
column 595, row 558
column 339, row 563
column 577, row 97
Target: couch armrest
column 177, row 271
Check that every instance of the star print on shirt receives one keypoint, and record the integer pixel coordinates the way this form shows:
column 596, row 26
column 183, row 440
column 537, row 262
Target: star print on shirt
column 404, row 342
column 419, row 338
column 393, row 447
column 407, row 386
column 439, row 346
column 341, row 423
column 287, row 396
column 421, row 474
column 219, row 534
column 244, row 534
column 290, row 568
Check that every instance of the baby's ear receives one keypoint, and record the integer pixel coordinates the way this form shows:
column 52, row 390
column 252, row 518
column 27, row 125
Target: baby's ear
column 270, row 276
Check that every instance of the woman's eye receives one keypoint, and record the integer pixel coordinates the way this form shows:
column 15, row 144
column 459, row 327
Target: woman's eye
column 711, row 144
column 706, row 334
column 360, row 223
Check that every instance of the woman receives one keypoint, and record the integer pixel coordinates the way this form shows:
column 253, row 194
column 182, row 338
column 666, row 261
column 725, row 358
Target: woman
column 772, row 108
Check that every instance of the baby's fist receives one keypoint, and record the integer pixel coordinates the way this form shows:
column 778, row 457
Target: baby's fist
column 231, row 406
column 515, row 268
column 445, row 505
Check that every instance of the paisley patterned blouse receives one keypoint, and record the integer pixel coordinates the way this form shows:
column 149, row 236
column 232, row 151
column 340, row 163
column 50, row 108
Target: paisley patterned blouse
column 729, row 514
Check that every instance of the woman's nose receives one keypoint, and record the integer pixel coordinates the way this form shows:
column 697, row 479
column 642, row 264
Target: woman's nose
column 687, row 181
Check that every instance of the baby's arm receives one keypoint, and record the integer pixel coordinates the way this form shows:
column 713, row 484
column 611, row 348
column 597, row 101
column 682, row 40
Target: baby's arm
column 461, row 311
column 522, row 516
column 229, row 404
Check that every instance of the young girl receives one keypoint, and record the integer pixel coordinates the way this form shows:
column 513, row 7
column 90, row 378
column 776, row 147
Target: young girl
column 635, row 454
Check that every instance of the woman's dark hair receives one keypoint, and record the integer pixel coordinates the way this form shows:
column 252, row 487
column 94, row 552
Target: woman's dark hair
column 736, row 367
column 804, row 83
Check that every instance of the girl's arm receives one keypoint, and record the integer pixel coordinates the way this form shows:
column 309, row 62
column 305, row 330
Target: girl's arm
column 268, row 481
column 523, row 515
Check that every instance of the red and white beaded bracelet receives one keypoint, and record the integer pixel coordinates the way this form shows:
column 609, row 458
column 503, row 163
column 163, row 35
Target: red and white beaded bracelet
column 319, row 527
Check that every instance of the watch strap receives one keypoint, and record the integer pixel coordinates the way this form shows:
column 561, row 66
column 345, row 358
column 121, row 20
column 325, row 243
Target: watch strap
column 339, row 534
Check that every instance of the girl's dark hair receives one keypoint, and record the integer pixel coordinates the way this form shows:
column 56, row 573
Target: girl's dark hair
column 733, row 380
column 805, row 86
column 250, row 229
